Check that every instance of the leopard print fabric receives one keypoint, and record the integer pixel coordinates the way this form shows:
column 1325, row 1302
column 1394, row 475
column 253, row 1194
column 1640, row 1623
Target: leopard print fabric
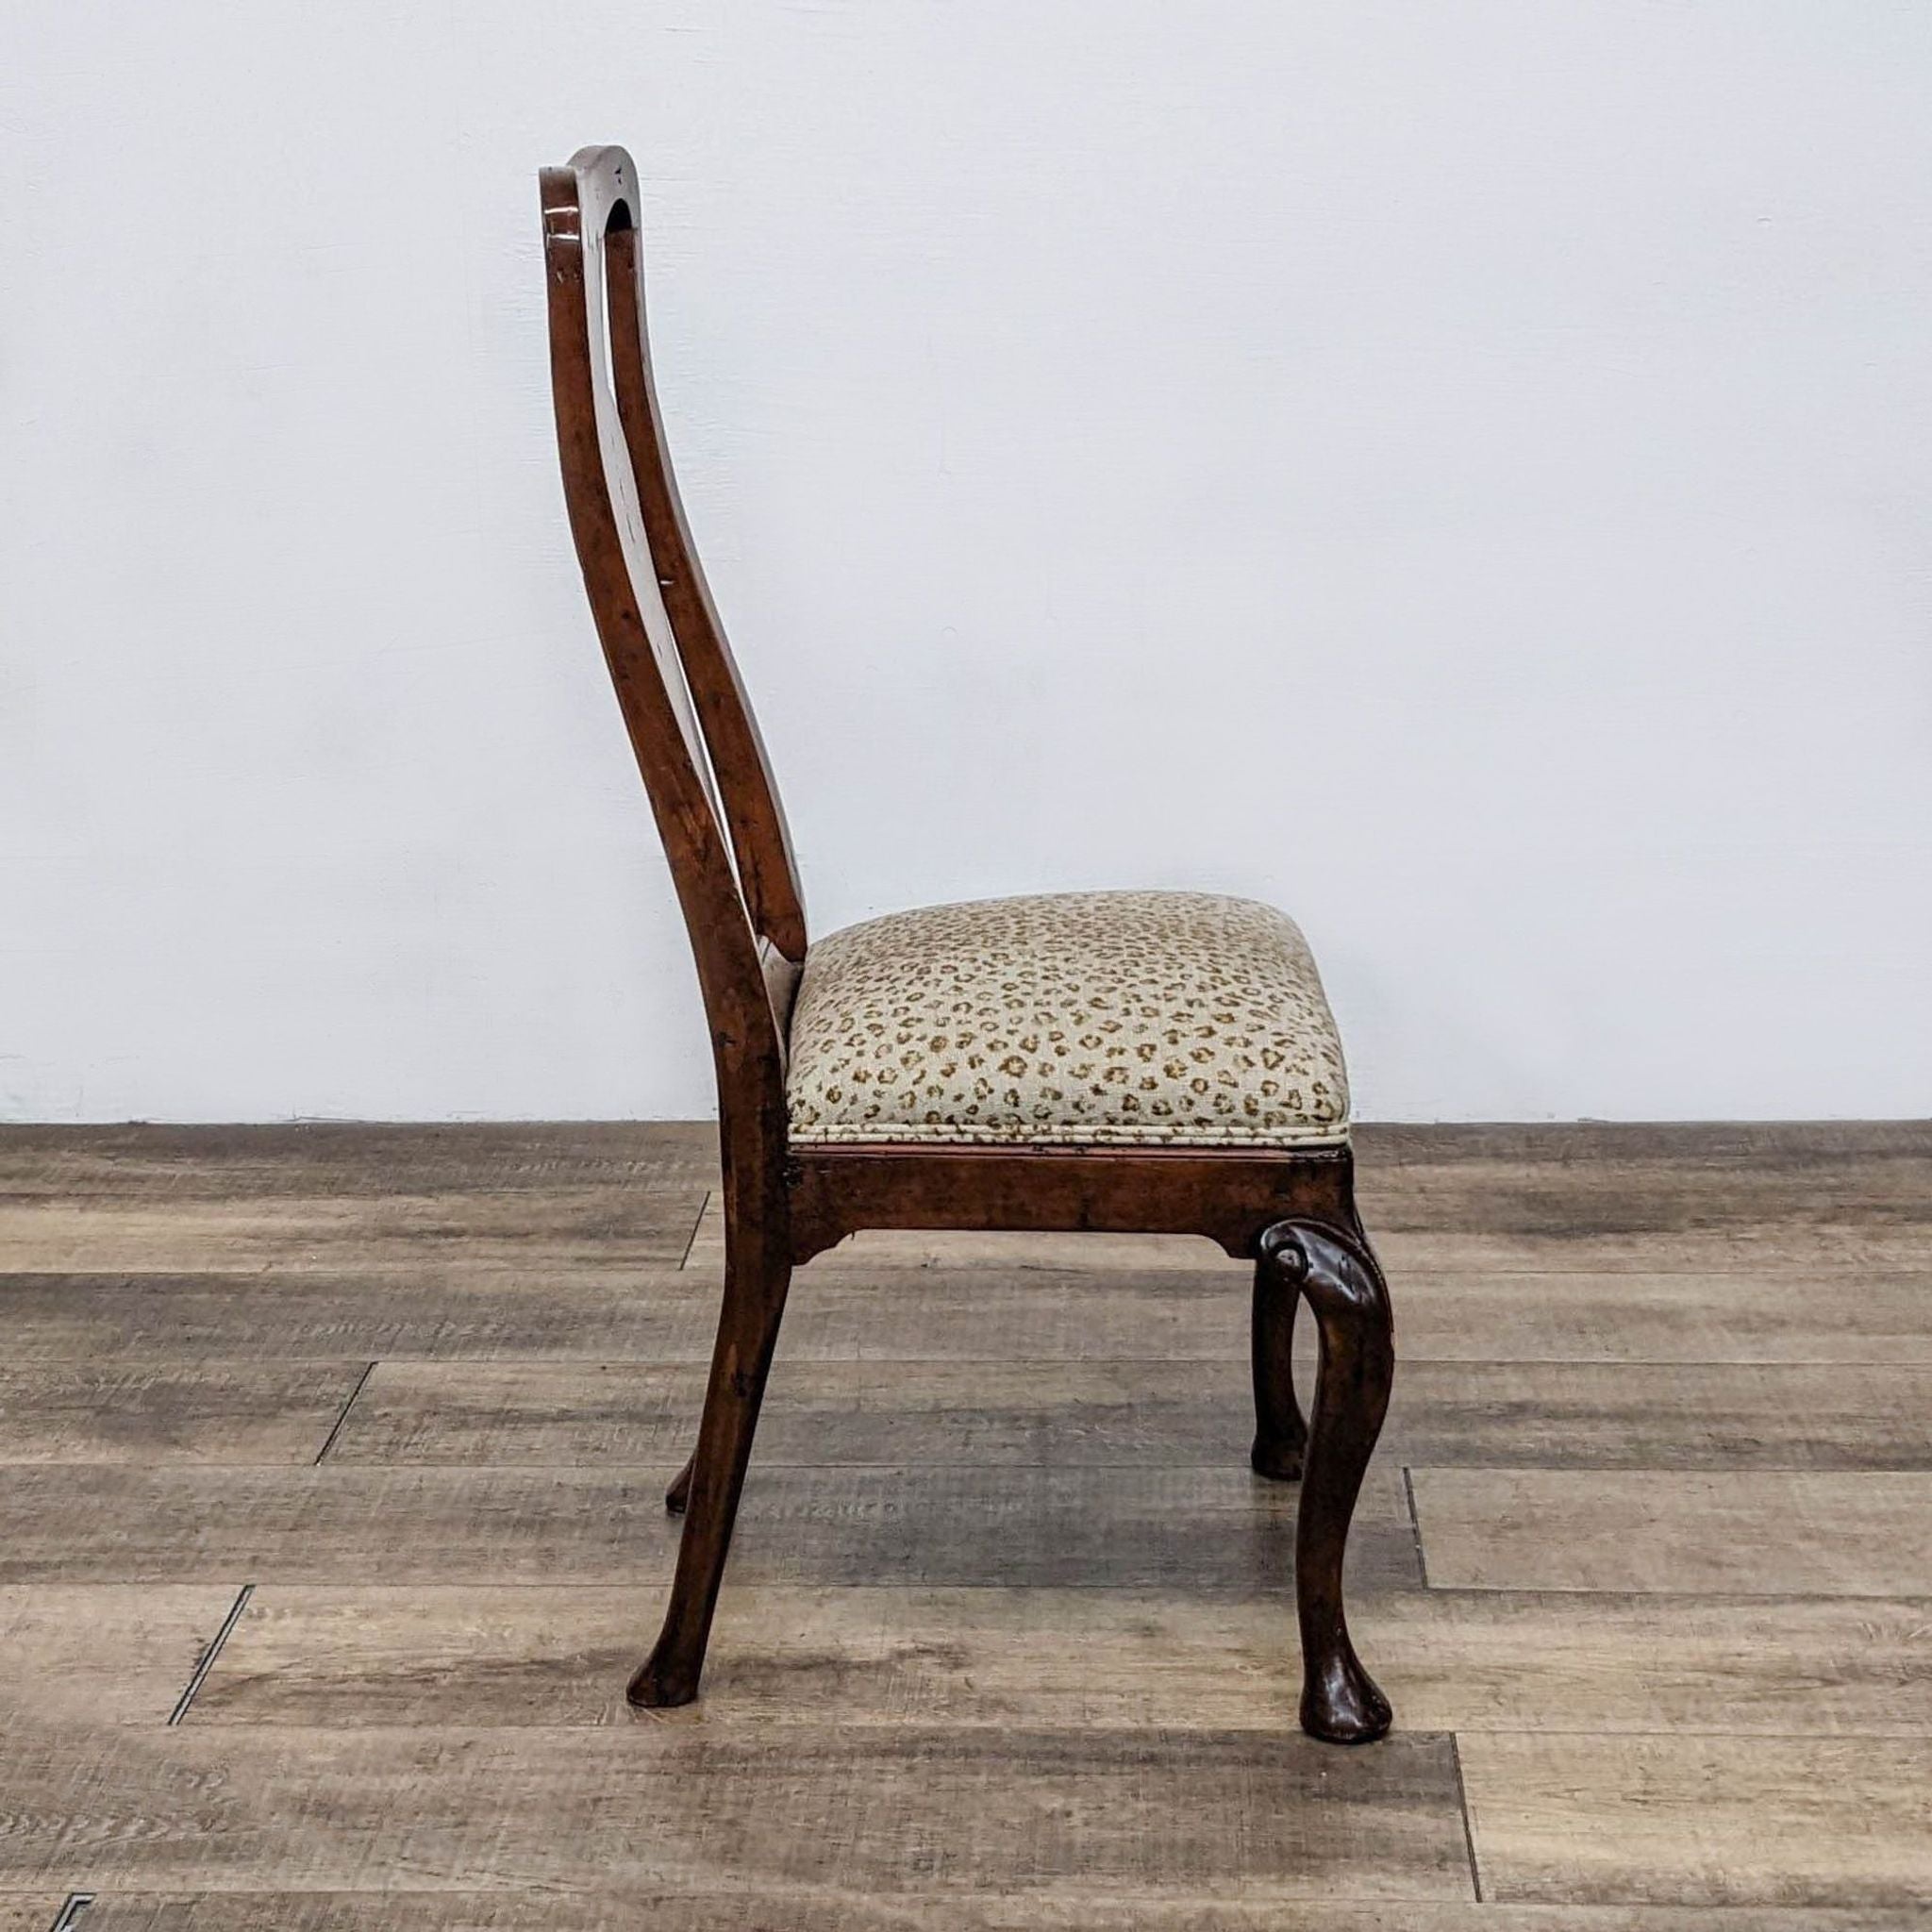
column 1083, row 1019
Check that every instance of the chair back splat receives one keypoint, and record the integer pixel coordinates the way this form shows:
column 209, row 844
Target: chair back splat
column 690, row 724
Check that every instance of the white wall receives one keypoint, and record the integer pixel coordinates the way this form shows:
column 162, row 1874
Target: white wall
column 1462, row 471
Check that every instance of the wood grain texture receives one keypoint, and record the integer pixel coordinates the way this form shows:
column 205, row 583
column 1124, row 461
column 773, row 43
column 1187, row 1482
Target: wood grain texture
column 1089, row 1413
column 608, row 1910
column 1171, row 1660
column 1167, row 1307
column 1650, row 1314
column 1701, row 1820
column 30, row 1912
column 172, row 1411
column 1663, row 1415
column 1223, row 1530
column 1184, row 1414
column 287, row 1315
column 346, row 1159
column 1777, row 1247
column 448, row 1309
column 614, row 1225
column 1746, row 1532
column 1490, row 1163
column 864, row 1812
column 1591, row 1179
column 102, row 1655
column 1793, row 1253
column 1713, row 1147
column 1695, row 1464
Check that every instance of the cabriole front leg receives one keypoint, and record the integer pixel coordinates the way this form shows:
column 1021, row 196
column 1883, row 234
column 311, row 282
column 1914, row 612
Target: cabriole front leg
column 1342, row 1283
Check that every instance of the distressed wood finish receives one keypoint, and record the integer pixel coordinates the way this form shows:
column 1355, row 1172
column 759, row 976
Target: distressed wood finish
column 592, row 1309
column 56, row 1638
column 1059, row 1542
column 1063, row 1409
column 1115, row 1528
column 1493, row 1177
column 172, row 1411
column 859, row 1812
column 647, row 1227
column 1824, row 1533
column 29, row 1913
column 1703, row 1821
column 609, row 1909
column 566, row 1311
column 1160, row 1660
column 710, row 788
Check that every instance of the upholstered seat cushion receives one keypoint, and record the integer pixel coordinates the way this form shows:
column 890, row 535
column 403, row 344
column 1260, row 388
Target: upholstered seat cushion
column 1081, row 1019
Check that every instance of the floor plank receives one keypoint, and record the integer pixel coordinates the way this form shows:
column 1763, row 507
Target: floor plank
column 1096, row 1413
column 151, row 1412
column 1589, row 1180
column 433, row 1308
column 616, row 1226
column 1662, row 1416
column 447, row 1308
column 1711, row 1146
column 1791, row 1252
column 1634, row 1315
column 608, row 1910
column 99, row 1654
column 1223, row 1530
column 344, row 1157
column 1747, row 1532
column 33, row 1912
column 476, row 1655
column 870, row 1812
column 1701, row 1820
column 1087, row 1414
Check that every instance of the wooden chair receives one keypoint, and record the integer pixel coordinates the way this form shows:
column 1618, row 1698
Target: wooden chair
column 1133, row 1062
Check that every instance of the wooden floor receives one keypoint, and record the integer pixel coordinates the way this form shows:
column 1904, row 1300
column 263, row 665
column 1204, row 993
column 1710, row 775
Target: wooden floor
column 330, row 1463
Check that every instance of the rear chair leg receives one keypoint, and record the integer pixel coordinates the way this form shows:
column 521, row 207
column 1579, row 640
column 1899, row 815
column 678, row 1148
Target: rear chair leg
column 711, row 1483
column 1280, row 1435
column 1343, row 1285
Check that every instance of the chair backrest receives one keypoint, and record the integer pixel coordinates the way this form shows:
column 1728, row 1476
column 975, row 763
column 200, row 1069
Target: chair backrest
column 690, row 724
